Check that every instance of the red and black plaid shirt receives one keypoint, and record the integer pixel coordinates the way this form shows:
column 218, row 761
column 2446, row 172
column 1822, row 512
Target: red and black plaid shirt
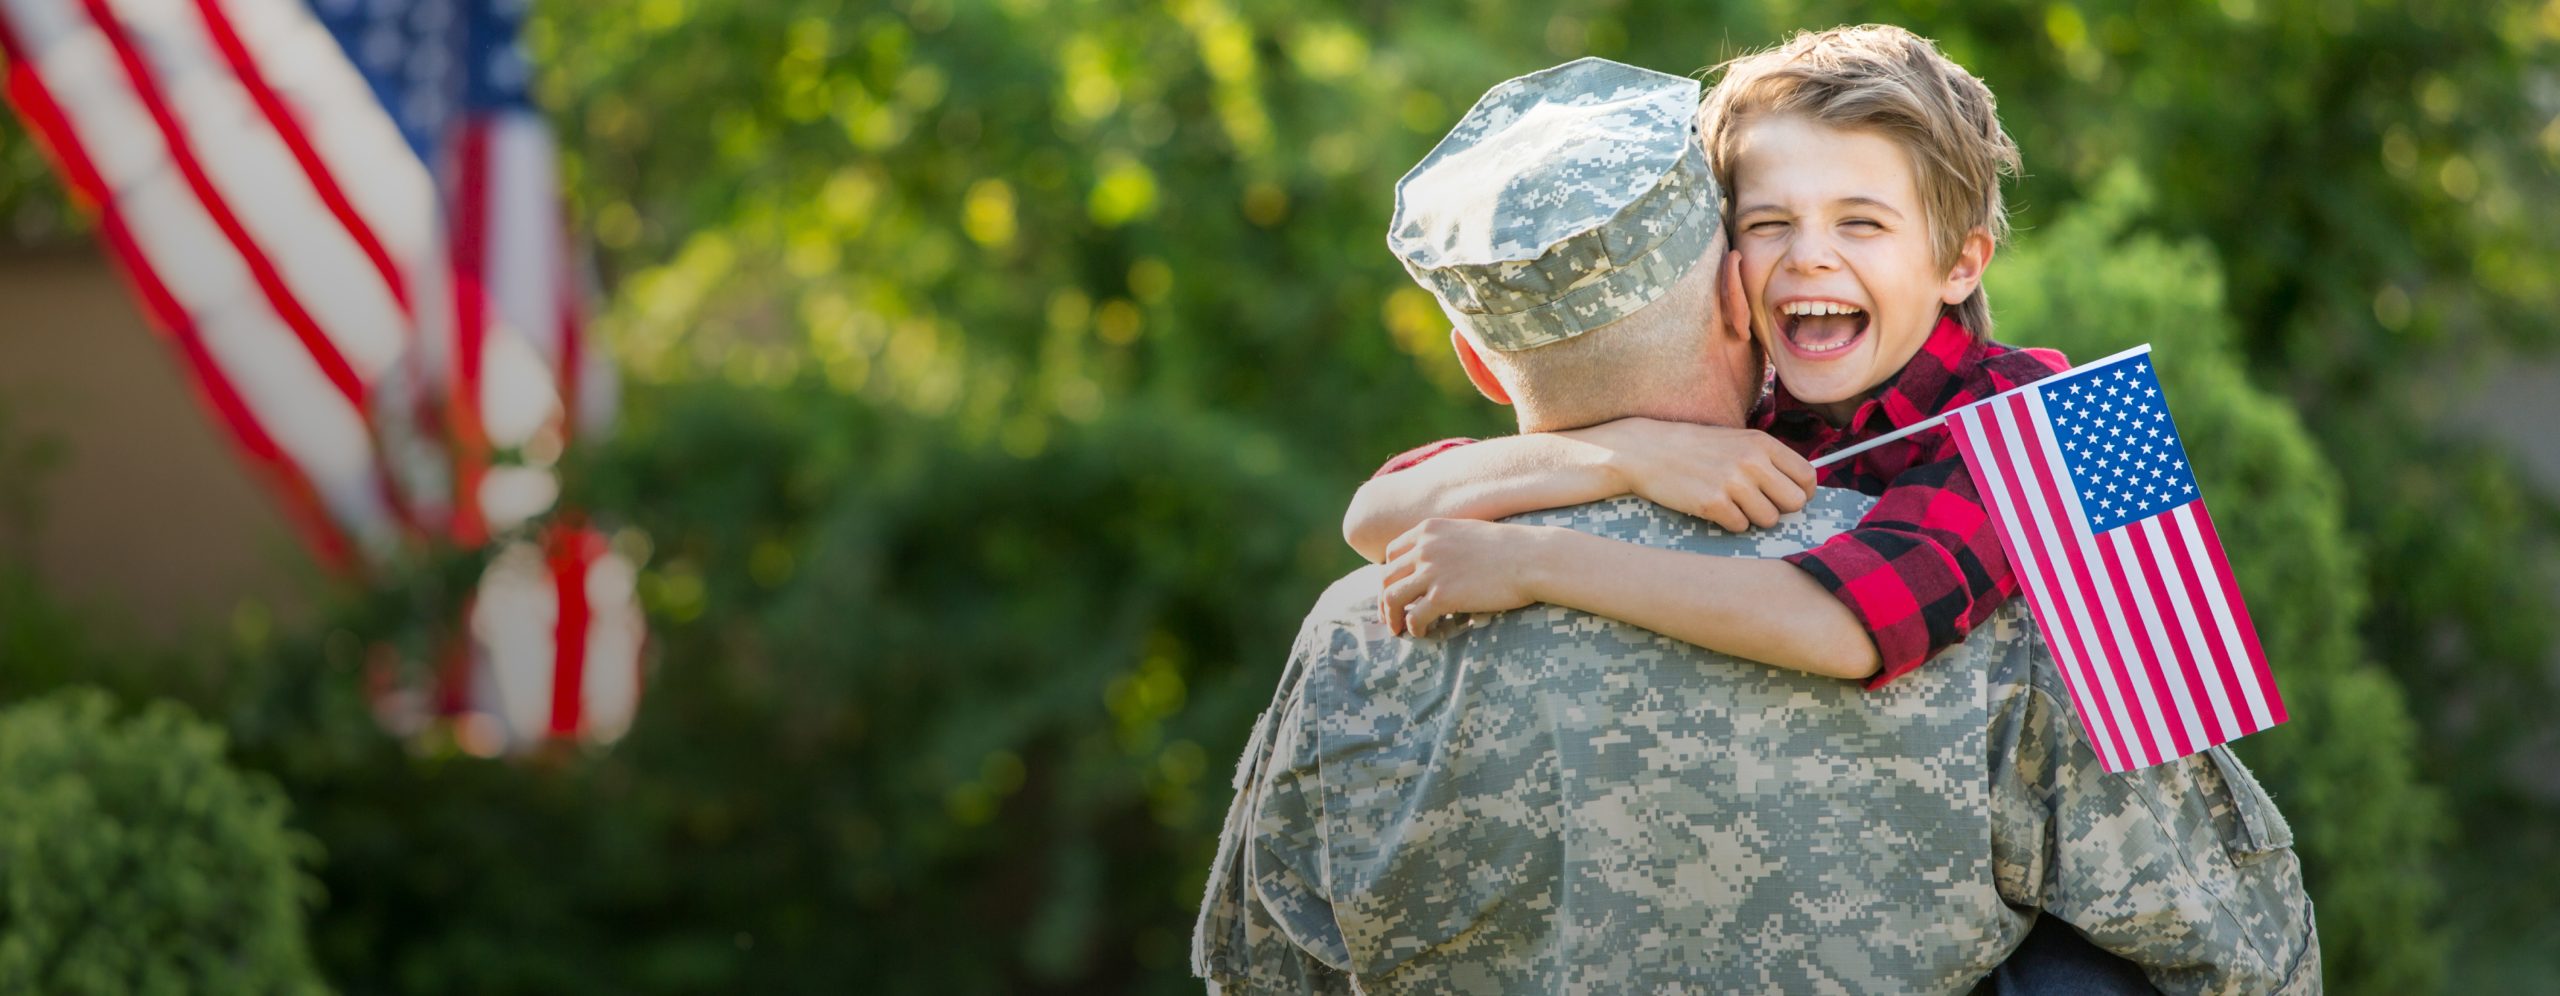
column 1924, row 567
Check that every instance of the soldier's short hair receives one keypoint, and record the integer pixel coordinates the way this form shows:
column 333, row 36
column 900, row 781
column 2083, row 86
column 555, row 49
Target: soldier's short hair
column 1883, row 79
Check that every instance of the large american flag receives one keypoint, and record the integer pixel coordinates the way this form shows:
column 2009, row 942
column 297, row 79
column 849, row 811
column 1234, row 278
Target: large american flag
column 346, row 218
column 347, row 221
column 2093, row 497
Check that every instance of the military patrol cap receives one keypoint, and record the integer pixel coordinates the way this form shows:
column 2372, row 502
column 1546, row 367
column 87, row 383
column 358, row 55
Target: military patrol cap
column 1563, row 201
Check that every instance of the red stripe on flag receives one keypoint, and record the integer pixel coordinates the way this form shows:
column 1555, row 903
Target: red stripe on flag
column 290, row 130
column 571, row 556
column 469, row 250
column 2229, row 671
column 2109, row 642
column 2026, row 550
column 2050, row 526
column 324, row 184
column 2204, row 688
column 2239, row 612
column 324, row 352
column 572, row 360
column 213, row 388
column 2164, row 696
column 454, row 663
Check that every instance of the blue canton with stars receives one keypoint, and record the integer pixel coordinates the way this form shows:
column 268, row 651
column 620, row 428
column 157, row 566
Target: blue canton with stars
column 432, row 62
column 2113, row 428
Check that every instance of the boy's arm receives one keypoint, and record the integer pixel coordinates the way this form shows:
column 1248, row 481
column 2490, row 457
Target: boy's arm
column 1735, row 478
column 1764, row 610
column 1920, row 571
column 1488, row 479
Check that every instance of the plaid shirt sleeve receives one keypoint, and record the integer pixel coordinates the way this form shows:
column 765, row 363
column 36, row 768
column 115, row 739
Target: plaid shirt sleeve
column 1921, row 570
column 1409, row 458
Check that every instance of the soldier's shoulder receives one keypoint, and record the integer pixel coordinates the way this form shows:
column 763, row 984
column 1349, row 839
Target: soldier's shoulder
column 1349, row 601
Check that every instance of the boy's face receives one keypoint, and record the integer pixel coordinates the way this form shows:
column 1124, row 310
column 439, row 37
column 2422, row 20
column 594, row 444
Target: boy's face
column 1843, row 285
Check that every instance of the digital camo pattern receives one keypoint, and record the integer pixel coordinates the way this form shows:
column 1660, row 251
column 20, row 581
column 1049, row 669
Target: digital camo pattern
column 1545, row 801
column 1564, row 200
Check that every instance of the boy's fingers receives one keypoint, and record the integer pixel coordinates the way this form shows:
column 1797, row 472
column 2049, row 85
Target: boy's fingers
column 1420, row 615
column 1797, row 468
column 1789, row 498
column 1398, row 598
column 1756, row 507
column 1398, row 567
column 1725, row 516
column 1404, row 541
column 1782, row 491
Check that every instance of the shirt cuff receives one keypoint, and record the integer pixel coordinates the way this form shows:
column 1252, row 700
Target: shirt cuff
column 1409, row 458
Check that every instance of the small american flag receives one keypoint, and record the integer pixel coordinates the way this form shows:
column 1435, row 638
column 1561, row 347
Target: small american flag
column 2095, row 502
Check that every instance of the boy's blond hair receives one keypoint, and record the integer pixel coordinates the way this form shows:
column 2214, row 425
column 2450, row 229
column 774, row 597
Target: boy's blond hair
column 1880, row 78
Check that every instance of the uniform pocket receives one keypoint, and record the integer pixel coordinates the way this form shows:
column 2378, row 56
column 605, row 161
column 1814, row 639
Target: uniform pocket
column 2255, row 827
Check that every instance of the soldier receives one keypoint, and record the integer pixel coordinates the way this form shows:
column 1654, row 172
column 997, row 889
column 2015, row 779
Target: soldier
column 1545, row 800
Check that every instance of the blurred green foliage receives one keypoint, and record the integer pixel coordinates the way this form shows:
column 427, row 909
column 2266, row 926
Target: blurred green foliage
column 2366, row 829
column 135, row 859
column 999, row 371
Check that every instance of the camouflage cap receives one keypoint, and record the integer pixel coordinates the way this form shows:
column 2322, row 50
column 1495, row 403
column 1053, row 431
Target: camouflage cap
column 1564, row 200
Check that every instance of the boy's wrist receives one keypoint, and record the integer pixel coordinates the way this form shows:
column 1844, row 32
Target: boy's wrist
column 1549, row 553
column 1609, row 458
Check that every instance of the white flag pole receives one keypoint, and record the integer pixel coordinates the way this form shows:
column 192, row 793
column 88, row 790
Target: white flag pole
column 1933, row 422
column 1928, row 423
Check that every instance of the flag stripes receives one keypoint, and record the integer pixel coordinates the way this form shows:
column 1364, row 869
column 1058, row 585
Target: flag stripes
column 389, row 349
column 280, row 320
column 2144, row 619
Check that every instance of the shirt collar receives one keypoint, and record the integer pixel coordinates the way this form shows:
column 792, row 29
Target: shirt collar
column 1912, row 394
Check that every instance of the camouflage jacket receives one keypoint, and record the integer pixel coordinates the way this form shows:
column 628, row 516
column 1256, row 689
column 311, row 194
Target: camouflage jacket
column 1547, row 801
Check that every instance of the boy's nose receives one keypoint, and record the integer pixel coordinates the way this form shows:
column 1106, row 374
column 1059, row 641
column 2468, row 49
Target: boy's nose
column 1811, row 253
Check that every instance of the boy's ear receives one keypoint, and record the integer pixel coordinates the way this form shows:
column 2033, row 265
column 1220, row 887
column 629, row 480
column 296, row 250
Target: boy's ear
column 1477, row 373
column 1972, row 257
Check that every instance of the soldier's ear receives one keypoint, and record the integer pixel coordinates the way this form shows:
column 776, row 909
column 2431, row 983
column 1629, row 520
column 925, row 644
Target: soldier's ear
column 1730, row 302
column 1477, row 372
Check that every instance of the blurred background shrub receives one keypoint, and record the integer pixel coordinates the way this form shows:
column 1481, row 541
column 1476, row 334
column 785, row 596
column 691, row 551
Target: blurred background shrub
column 135, row 859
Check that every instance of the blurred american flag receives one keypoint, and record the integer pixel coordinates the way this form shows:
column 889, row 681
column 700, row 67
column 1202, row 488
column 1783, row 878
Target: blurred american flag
column 346, row 217
column 348, row 220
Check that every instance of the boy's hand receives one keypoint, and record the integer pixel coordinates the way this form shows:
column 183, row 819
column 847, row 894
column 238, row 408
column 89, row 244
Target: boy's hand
column 1449, row 567
column 1735, row 478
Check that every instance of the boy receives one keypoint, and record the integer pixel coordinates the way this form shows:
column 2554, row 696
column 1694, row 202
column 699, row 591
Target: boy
column 1865, row 168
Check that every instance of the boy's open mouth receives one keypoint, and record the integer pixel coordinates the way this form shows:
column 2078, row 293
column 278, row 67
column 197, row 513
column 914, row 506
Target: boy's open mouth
column 1820, row 328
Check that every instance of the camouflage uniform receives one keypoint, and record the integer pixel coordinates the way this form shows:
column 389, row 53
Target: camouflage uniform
column 1548, row 801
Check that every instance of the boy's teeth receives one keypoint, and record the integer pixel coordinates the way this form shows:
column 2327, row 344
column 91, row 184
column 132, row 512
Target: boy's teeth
column 1804, row 308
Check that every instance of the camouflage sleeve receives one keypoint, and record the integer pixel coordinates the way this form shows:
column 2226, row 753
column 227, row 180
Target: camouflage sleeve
column 2185, row 868
column 1244, row 942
